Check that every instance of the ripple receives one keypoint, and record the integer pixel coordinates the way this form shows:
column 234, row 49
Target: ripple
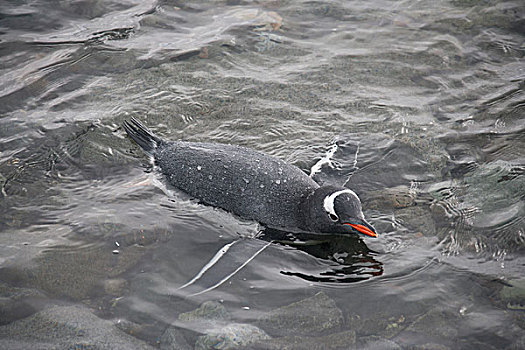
column 421, row 104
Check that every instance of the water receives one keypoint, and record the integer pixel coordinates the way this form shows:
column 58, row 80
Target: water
column 417, row 105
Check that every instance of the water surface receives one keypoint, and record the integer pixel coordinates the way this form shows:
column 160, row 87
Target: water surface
column 415, row 105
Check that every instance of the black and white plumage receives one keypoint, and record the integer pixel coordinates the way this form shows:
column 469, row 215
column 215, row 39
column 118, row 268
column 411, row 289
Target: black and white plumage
column 253, row 185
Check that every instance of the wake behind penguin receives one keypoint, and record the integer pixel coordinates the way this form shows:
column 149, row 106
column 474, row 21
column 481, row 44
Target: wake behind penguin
column 253, row 185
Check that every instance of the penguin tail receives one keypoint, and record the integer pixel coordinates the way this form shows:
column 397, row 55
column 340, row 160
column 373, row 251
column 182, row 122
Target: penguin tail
column 142, row 135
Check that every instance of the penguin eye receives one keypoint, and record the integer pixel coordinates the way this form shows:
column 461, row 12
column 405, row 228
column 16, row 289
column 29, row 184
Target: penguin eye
column 333, row 217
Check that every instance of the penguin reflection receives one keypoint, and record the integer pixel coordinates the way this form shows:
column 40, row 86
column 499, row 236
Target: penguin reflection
column 347, row 256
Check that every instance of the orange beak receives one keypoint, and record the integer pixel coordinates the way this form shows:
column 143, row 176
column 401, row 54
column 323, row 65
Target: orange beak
column 363, row 229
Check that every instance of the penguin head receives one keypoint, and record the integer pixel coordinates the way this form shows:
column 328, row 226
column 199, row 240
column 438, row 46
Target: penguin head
column 331, row 209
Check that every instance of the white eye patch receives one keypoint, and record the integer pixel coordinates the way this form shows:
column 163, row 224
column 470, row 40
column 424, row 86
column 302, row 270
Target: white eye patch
column 329, row 200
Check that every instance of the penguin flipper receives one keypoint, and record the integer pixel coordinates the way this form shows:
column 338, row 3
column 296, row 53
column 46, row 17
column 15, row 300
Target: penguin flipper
column 142, row 135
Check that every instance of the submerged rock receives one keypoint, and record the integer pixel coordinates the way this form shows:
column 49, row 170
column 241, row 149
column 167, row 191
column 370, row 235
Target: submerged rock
column 514, row 296
column 173, row 339
column 261, row 20
column 209, row 318
column 232, row 336
column 386, row 324
column 519, row 344
column 17, row 303
column 430, row 346
column 209, row 310
column 115, row 286
column 519, row 319
column 419, row 219
column 337, row 341
column 76, row 276
column 391, row 198
column 489, row 214
column 436, row 323
column 311, row 316
column 377, row 343
column 297, row 323
column 66, row 327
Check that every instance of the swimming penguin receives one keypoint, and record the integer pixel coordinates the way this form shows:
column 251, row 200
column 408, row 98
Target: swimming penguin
column 253, row 185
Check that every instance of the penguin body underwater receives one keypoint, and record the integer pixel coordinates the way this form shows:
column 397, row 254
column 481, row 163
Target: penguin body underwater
column 253, row 185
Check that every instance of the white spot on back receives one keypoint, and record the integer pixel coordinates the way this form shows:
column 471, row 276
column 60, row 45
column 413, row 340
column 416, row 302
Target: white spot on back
column 329, row 200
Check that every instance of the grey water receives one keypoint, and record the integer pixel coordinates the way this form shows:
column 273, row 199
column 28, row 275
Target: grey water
column 417, row 106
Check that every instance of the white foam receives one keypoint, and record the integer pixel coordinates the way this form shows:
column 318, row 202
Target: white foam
column 210, row 263
column 327, row 159
column 234, row 272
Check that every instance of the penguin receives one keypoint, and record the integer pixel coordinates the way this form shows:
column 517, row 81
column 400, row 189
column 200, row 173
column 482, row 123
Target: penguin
column 253, row 185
